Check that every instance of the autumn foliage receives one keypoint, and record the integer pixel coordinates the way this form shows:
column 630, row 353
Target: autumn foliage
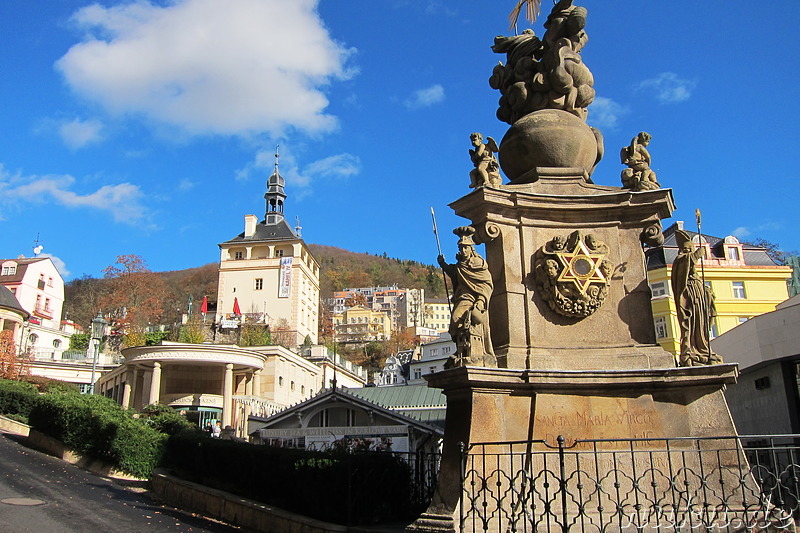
column 135, row 296
column 11, row 365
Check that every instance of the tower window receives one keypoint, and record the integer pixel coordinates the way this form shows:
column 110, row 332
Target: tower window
column 259, row 284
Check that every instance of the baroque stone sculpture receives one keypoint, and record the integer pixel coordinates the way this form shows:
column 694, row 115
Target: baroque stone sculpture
column 638, row 176
column 472, row 290
column 486, row 171
column 541, row 79
column 695, row 303
column 573, row 274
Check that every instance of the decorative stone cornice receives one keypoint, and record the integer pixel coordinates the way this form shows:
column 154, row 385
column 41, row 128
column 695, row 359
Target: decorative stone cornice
column 202, row 353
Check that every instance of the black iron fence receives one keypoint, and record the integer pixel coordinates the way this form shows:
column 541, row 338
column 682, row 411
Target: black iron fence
column 745, row 483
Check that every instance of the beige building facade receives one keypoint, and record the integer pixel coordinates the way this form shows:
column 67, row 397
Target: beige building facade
column 268, row 273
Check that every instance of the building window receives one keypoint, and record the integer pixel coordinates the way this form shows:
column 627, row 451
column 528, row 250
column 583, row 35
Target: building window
column 661, row 327
column 743, row 319
column 302, row 389
column 9, row 270
column 431, row 370
column 280, row 381
column 259, row 283
column 278, row 253
column 57, row 343
column 714, row 330
column 733, row 253
column 292, row 385
column 351, row 418
column 658, row 289
column 33, row 338
column 762, row 383
column 49, row 282
column 417, row 373
column 238, row 255
column 738, row 290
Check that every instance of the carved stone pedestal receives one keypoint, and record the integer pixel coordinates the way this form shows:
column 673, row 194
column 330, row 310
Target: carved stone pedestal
column 503, row 405
column 518, row 221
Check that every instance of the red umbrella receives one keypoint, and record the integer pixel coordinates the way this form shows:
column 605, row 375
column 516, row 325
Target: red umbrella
column 204, row 305
column 236, row 310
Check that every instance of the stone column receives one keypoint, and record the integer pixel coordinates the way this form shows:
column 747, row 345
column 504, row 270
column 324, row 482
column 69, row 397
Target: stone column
column 257, row 383
column 130, row 375
column 155, row 384
column 227, row 396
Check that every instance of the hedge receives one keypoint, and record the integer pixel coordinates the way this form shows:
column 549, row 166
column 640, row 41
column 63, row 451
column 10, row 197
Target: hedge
column 339, row 487
column 17, row 397
column 97, row 427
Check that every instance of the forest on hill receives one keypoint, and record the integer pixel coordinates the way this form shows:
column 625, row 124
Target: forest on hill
column 172, row 290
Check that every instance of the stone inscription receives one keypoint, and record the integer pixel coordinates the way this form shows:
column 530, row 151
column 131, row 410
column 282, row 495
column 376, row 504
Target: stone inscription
column 588, row 417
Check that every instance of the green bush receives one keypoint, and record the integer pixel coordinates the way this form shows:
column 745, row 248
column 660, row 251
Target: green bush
column 339, row 487
column 152, row 338
column 79, row 341
column 97, row 427
column 44, row 384
column 17, row 397
column 254, row 335
column 165, row 419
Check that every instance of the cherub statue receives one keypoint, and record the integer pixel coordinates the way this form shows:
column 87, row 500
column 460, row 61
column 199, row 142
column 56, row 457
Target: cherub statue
column 486, row 171
column 472, row 290
column 638, row 176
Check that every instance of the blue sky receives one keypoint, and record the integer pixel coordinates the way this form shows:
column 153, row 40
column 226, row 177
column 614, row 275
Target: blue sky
column 148, row 127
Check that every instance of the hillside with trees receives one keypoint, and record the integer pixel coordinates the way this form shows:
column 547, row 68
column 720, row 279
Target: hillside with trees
column 171, row 290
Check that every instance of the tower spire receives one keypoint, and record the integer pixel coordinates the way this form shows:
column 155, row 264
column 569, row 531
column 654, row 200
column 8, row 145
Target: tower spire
column 275, row 195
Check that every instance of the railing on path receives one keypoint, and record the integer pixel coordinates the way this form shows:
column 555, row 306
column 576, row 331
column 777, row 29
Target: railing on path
column 745, row 483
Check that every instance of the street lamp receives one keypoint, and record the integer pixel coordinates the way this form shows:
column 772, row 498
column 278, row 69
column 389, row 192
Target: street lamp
column 98, row 329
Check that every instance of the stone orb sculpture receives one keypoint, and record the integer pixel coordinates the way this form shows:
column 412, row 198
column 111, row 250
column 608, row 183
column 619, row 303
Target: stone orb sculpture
column 548, row 138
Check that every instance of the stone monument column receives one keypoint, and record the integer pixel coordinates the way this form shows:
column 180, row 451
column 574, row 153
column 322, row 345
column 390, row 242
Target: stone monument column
column 569, row 313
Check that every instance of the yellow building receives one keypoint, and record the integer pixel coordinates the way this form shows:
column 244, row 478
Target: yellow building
column 361, row 324
column 437, row 314
column 745, row 281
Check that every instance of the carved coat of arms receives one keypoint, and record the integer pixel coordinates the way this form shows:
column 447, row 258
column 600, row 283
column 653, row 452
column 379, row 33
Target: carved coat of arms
column 573, row 274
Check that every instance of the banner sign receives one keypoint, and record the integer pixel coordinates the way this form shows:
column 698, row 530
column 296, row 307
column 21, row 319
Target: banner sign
column 285, row 282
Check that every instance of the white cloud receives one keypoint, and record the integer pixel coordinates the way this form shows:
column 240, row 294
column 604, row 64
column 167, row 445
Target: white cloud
column 741, row 232
column 186, row 185
column 78, row 133
column 668, row 88
column 425, row 97
column 209, row 67
column 123, row 201
column 61, row 266
column 605, row 113
column 301, row 180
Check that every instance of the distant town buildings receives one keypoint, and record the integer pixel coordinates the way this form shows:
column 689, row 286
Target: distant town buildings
column 404, row 308
column 267, row 273
column 745, row 281
column 436, row 314
column 409, row 367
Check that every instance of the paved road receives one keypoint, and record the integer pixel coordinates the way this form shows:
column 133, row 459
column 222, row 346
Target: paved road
column 76, row 501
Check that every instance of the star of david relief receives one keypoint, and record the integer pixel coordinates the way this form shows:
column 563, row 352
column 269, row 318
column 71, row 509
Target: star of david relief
column 573, row 274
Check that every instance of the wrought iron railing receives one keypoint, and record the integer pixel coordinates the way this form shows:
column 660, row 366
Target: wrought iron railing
column 747, row 483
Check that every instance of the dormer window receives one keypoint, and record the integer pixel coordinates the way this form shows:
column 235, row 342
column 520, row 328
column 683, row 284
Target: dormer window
column 9, row 269
column 733, row 248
